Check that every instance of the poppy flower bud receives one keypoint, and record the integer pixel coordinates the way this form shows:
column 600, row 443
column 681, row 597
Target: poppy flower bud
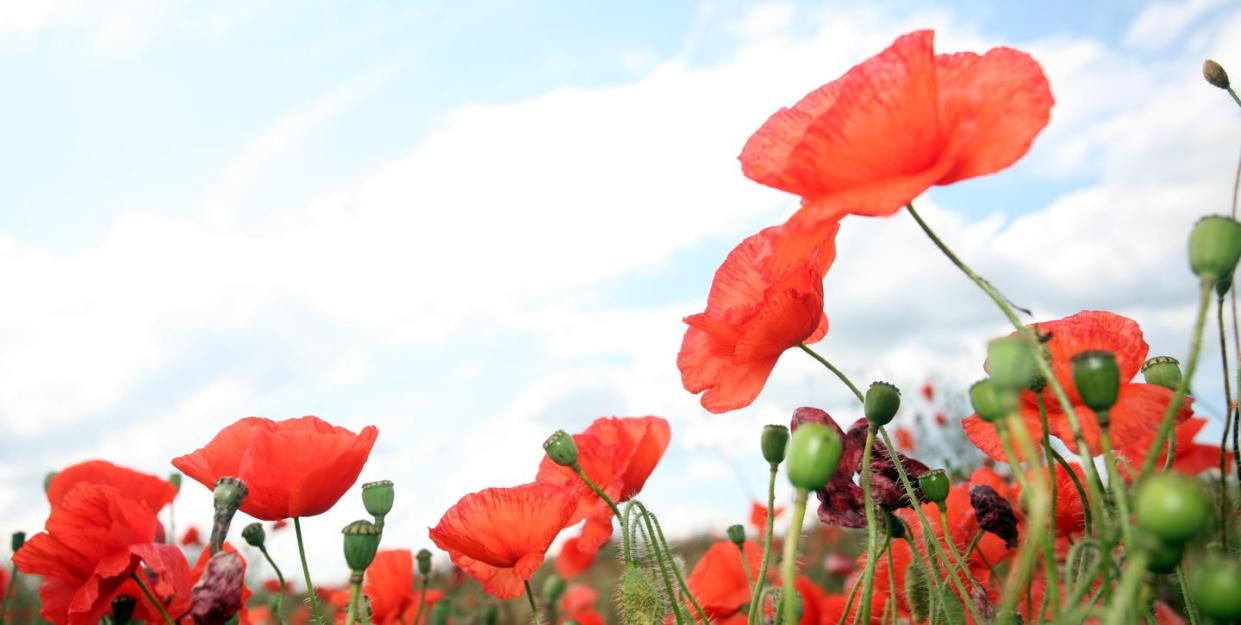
column 736, row 533
column 1011, row 363
column 361, row 543
column 1215, row 74
column 216, row 597
column 1172, row 507
column 814, row 452
column 18, row 539
column 986, row 401
column 917, row 591
column 882, row 401
column 1162, row 371
column 553, row 587
column 1214, row 247
column 377, row 497
column 994, row 514
column 1223, row 285
column 561, row 448
column 774, row 440
column 1162, row 557
column 254, row 535
column 174, row 478
column 1217, row 589
column 934, row 485
column 424, row 562
column 638, row 599
column 47, row 480
column 123, row 609
column 441, row 612
column 1097, row 377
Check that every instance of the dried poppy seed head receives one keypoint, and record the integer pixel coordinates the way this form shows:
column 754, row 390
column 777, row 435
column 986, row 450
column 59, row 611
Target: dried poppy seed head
column 994, row 513
column 217, row 595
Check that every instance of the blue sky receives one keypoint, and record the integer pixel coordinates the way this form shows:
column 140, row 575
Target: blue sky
column 471, row 225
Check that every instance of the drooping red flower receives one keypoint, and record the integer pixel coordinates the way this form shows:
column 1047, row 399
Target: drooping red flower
column 580, row 605
column 153, row 491
column 1190, row 458
column 1139, row 406
column 765, row 298
column 93, row 541
column 719, row 581
column 390, row 586
column 293, row 468
column 191, row 538
column 758, row 516
column 896, row 124
column 501, row 535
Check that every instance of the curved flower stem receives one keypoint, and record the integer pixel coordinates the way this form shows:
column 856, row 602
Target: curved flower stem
column 768, row 539
column 1190, row 608
column 872, row 527
column 653, row 543
column 1169, row 416
column 422, row 599
column 788, row 596
column 745, row 566
column 146, row 590
column 891, row 602
column 1114, row 481
column 620, row 518
column 830, row 367
column 534, row 607
column 315, row 611
column 1130, row 583
column 844, row 614
column 1053, row 589
column 280, row 617
column 1223, row 442
column 676, row 570
column 1036, row 519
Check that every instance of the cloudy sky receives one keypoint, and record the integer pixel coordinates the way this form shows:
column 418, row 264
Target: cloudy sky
column 473, row 223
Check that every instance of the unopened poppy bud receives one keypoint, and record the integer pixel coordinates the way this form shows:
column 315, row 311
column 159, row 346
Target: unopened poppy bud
column 441, row 612
column 47, row 480
column 254, row 535
column 638, row 599
column 1215, row 74
column 1162, row 371
column 1223, row 285
column 814, row 452
column 1214, row 247
column 216, row 597
column 1162, row 557
column 1097, row 377
column 882, row 402
column 174, row 478
column 934, row 485
column 553, row 587
column 736, row 534
column 424, row 562
column 361, row 543
column 986, row 401
column 1172, row 507
column 775, row 440
column 561, row 448
column 1012, row 364
column 377, row 497
column 994, row 514
column 18, row 539
column 918, row 591
column 1217, row 589
column 123, row 609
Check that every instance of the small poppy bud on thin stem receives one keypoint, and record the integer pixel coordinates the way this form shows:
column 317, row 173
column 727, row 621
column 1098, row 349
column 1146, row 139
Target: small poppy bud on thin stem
column 986, row 401
column 774, row 441
column 424, row 562
column 882, row 402
column 123, row 609
column 229, row 493
column 561, row 448
column 553, row 587
column 1012, row 364
column 736, row 534
column 1162, row 371
column 1214, row 247
column 1097, row 377
column 1162, row 557
column 18, row 539
column 935, row 485
column 361, row 543
column 254, row 535
column 814, row 452
column 377, row 497
column 1215, row 74
column 175, row 479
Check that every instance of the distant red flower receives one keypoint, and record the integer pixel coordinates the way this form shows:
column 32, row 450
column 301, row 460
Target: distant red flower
column 905, row 439
column 719, row 582
column 580, row 605
column 758, row 516
column 153, row 491
column 838, row 565
column 173, row 584
column 941, row 419
column 1190, row 458
column 815, row 604
column 294, row 468
column 191, row 538
column 898, row 123
column 572, row 559
column 390, row 586
column 271, row 585
column 928, row 391
column 1139, row 406
column 279, row 525
column 500, row 535
column 765, row 298
column 93, row 540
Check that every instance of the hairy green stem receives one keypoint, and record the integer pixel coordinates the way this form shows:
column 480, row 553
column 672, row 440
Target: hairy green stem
column 422, row 599
column 1036, row 519
column 653, row 543
column 620, row 518
column 280, row 616
column 830, row 367
column 355, row 591
column 768, row 539
column 1223, row 442
column 672, row 563
column 1130, row 584
column 1190, row 608
column 534, row 607
column 872, row 526
column 316, row 612
column 1116, row 484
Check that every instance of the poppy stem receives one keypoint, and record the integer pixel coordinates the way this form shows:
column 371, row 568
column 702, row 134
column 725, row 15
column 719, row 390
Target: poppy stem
column 872, row 525
column 620, row 518
column 1114, row 481
column 422, row 599
column 844, row 614
column 1053, row 589
column 745, row 566
column 1036, row 519
column 788, row 596
column 653, row 543
column 316, row 612
column 1224, row 508
column 887, row 547
column 830, row 367
column 768, row 539
column 151, row 597
column 676, row 570
column 1190, row 608
column 534, row 607
column 1130, row 582
column 1059, row 459
column 280, row 578
column 1174, row 406
column 355, row 590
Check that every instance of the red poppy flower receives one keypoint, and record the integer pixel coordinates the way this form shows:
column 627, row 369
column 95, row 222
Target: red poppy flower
column 390, row 586
column 928, row 391
column 153, row 491
column 766, row 298
column 93, row 540
column 758, row 516
column 500, row 535
column 579, row 604
column 905, row 439
column 1139, row 407
column 941, row 419
column 191, row 538
column 719, row 582
column 572, row 559
column 896, row 124
column 279, row 525
column 294, row 468
column 1190, row 458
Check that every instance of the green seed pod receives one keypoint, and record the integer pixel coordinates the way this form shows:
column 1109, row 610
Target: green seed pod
column 1162, row 371
column 1214, row 247
column 424, row 562
column 254, row 535
column 917, row 591
column 1217, row 589
column 638, row 599
column 123, row 609
column 174, row 478
column 736, row 534
column 229, row 493
column 986, row 401
column 882, row 402
column 18, row 539
column 935, row 485
column 1012, row 365
column 377, row 498
column 1215, row 74
column 553, row 587
column 361, row 543
column 774, row 440
column 1172, row 507
column 814, row 452
column 1161, row 557
column 1223, row 285
column 561, row 448
column 1097, row 377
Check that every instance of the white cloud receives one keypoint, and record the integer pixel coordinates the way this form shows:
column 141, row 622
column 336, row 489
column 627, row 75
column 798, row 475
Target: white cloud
column 1160, row 23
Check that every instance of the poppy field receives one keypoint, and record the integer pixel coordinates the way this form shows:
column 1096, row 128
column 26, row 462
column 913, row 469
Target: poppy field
column 1083, row 490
